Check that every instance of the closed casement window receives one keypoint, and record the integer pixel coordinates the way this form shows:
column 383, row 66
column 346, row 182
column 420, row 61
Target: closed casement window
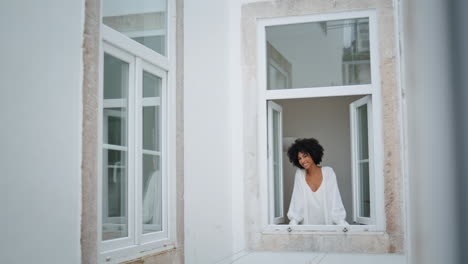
column 137, row 130
column 319, row 79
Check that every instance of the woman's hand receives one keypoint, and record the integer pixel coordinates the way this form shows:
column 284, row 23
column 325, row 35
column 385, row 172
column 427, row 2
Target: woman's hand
column 293, row 222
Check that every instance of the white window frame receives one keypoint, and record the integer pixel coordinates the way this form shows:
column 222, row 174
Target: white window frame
column 111, row 103
column 272, row 106
column 372, row 89
column 141, row 58
column 130, row 110
column 355, row 160
column 162, row 102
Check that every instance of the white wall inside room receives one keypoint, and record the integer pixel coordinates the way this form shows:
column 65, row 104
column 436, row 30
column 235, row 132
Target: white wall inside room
column 40, row 103
column 327, row 120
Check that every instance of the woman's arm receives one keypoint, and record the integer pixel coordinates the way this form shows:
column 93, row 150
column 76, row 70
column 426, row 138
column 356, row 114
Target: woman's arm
column 296, row 207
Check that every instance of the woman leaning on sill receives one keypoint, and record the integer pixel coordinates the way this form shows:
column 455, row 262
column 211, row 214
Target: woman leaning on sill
column 315, row 199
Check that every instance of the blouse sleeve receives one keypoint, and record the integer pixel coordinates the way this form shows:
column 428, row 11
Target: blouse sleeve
column 338, row 212
column 296, row 207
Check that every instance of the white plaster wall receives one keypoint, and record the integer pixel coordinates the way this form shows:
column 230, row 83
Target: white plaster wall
column 40, row 110
column 213, row 167
column 237, row 129
column 432, row 143
column 327, row 120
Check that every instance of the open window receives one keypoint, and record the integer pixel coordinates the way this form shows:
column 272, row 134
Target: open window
column 320, row 79
column 118, row 80
column 362, row 172
column 114, row 174
column 275, row 161
column 152, row 150
column 342, row 129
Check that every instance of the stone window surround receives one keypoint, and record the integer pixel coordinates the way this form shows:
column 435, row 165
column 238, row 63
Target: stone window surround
column 390, row 241
column 91, row 76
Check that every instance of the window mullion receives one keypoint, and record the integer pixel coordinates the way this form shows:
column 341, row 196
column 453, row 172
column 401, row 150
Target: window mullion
column 131, row 154
column 138, row 150
column 164, row 157
column 271, row 196
column 354, row 155
column 372, row 183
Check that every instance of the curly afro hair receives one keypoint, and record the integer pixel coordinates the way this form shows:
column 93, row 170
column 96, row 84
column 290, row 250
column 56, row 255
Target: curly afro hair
column 305, row 145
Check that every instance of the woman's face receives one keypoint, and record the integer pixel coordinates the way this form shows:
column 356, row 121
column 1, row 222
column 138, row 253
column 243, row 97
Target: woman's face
column 305, row 160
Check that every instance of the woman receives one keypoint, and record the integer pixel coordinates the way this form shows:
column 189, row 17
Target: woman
column 316, row 199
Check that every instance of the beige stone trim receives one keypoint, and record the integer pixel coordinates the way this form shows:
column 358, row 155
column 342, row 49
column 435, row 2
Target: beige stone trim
column 89, row 162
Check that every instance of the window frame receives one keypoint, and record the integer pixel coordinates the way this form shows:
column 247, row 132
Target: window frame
column 367, row 100
column 264, row 95
column 126, row 57
column 143, row 66
column 142, row 59
column 272, row 106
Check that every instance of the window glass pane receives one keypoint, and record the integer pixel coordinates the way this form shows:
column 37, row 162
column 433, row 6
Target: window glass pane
column 115, row 126
column 151, row 128
column 141, row 20
column 152, row 194
column 364, row 189
column 152, row 181
column 115, row 78
column 151, row 85
column 114, row 200
column 363, row 143
column 276, row 163
column 115, row 217
column 156, row 43
column 318, row 54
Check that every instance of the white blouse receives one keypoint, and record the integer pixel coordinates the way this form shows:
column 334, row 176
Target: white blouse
column 316, row 205
column 323, row 207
